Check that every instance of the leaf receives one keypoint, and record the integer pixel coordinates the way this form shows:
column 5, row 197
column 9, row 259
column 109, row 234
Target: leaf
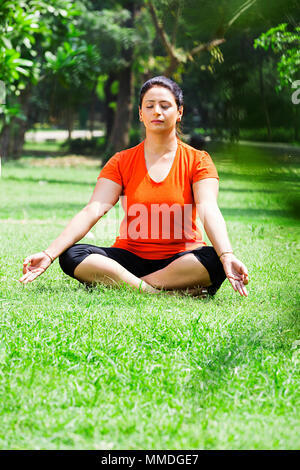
column 27, row 43
column 63, row 13
column 50, row 57
column 24, row 62
column 23, row 71
column 6, row 42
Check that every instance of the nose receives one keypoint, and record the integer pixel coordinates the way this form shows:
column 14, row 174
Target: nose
column 157, row 109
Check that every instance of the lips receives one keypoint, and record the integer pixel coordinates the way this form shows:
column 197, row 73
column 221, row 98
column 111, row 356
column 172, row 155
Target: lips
column 156, row 120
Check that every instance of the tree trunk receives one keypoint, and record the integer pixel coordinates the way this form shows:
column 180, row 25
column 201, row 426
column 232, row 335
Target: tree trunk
column 12, row 136
column 4, row 141
column 109, row 112
column 19, row 138
column 70, row 121
column 92, row 111
column 263, row 101
column 296, row 122
column 119, row 138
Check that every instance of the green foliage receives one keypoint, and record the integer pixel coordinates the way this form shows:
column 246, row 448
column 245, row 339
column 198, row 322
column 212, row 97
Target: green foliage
column 63, row 52
column 36, row 37
column 279, row 134
column 75, row 64
column 286, row 45
column 107, row 29
column 93, row 146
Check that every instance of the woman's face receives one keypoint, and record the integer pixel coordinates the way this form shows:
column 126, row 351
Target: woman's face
column 159, row 111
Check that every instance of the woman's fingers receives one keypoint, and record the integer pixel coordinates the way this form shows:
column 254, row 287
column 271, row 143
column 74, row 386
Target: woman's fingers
column 242, row 289
column 232, row 282
column 244, row 273
column 238, row 285
column 30, row 276
column 24, row 279
column 27, row 277
column 34, row 266
column 25, row 264
column 245, row 291
column 244, row 277
column 237, row 275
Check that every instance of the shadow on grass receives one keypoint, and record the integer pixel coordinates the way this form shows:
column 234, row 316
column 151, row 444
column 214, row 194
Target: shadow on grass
column 256, row 213
column 261, row 178
column 59, row 206
column 244, row 190
column 230, row 366
column 30, row 179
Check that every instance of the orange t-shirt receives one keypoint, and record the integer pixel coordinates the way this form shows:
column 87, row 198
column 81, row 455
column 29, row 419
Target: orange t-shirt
column 160, row 218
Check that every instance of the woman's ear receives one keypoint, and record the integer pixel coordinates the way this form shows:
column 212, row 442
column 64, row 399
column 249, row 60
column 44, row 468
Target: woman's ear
column 180, row 113
column 140, row 114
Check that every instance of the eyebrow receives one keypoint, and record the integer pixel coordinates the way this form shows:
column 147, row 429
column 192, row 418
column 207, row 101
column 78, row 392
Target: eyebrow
column 161, row 101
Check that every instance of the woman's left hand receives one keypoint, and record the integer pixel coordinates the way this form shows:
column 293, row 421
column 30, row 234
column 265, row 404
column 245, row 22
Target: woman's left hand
column 236, row 273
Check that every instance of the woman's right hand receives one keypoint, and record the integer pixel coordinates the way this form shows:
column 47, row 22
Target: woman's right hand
column 34, row 266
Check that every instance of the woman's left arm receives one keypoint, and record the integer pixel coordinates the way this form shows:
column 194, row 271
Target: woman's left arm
column 205, row 195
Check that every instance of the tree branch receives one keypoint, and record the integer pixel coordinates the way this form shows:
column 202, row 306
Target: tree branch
column 206, row 47
column 161, row 32
column 240, row 11
column 174, row 33
column 177, row 56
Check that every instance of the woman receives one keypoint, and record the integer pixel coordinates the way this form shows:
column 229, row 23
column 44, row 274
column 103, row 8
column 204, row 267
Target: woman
column 161, row 182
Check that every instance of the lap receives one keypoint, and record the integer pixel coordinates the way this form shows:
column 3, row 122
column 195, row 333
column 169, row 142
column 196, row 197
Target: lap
column 186, row 271
column 179, row 270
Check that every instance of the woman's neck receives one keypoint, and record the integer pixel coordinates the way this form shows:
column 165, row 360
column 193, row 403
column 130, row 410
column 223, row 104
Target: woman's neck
column 159, row 144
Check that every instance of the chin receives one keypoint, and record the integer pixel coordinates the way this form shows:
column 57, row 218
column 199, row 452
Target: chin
column 159, row 128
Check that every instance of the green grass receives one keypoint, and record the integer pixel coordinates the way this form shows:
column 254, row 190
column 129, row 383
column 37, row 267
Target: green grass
column 42, row 146
column 110, row 368
column 279, row 134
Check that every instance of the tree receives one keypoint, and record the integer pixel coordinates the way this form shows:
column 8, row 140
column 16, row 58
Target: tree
column 117, row 42
column 19, row 25
column 74, row 70
column 36, row 39
column 286, row 46
column 177, row 55
column 240, row 94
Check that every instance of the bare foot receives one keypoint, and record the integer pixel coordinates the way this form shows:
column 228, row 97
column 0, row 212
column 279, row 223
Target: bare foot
column 199, row 291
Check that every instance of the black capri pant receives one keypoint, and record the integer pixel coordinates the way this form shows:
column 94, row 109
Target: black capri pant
column 140, row 266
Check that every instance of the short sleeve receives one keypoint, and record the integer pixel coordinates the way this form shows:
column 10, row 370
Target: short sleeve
column 203, row 167
column 111, row 169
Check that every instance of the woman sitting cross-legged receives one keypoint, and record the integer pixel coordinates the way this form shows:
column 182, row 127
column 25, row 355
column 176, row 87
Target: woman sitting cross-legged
column 162, row 184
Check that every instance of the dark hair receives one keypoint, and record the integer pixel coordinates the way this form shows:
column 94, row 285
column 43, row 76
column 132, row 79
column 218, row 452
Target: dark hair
column 165, row 82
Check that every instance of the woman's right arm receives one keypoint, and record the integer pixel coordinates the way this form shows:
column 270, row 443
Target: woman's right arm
column 104, row 197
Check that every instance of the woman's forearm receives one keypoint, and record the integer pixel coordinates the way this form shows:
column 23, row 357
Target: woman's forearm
column 215, row 226
column 76, row 229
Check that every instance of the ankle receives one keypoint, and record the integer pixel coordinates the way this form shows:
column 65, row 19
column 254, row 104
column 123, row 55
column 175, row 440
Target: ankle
column 148, row 288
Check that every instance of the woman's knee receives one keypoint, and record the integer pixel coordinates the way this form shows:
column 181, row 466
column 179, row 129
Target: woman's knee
column 67, row 261
column 73, row 256
column 97, row 268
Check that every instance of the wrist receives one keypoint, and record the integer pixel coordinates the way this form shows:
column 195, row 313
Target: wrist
column 225, row 255
column 49, row 255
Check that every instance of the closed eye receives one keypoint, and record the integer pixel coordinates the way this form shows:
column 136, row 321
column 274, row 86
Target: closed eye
column 163, row 107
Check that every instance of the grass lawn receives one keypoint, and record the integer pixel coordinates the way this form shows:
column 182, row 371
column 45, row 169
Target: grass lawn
column 115, row 369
